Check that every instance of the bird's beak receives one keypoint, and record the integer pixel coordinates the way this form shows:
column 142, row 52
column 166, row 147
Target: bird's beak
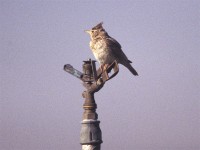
column 88, row 31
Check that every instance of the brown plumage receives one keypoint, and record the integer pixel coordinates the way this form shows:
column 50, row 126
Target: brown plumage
column 106, row 49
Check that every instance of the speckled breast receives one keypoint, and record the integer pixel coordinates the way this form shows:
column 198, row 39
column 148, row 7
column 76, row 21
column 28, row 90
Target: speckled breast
column 102, row 52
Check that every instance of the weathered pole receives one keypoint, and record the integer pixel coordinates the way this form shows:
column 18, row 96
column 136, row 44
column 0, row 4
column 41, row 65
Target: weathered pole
column 90, row 137
column 93, row 81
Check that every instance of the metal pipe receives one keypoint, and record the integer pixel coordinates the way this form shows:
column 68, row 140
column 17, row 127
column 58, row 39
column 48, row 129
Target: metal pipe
column 90, row 136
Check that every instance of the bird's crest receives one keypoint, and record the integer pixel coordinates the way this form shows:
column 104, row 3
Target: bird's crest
column 98, row 26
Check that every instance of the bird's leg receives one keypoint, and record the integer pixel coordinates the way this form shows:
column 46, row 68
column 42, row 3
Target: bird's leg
column 104, row 67
column 104, row 72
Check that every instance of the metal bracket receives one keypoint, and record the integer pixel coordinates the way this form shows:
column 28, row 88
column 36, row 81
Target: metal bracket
column 110, row 72
column 93, row 80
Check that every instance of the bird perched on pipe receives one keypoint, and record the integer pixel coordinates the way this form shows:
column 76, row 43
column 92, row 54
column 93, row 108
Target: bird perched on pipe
column 106, row 49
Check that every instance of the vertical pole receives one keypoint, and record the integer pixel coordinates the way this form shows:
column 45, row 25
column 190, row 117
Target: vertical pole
column 90, row 131
column 90, row 137
column 93, row 81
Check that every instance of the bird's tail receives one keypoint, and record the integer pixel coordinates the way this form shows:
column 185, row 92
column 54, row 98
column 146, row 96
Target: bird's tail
column 131, row 69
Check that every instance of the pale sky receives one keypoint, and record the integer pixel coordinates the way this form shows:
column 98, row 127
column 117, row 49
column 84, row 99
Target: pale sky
column 41, row 105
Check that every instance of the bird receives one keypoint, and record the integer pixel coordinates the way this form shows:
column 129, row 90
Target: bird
column 106, row 49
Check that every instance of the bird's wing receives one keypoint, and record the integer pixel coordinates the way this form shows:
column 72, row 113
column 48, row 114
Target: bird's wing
column 113, row 43
column 116, row 49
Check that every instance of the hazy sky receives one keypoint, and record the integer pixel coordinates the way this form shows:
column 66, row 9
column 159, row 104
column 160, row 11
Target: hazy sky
column 41, row 105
